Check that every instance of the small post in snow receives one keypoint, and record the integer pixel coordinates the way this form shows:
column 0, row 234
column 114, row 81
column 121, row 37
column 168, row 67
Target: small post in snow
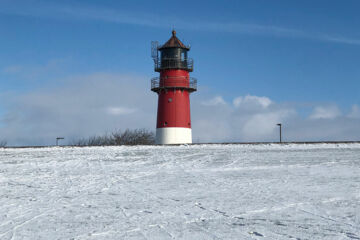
column 57, row 140
column 279, row 124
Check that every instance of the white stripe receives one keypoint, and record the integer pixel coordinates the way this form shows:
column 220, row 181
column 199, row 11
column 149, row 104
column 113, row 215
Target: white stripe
column 173, row 135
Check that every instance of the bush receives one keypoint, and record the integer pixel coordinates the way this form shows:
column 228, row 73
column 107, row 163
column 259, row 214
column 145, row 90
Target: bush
column 133, row 137
column 128, row 137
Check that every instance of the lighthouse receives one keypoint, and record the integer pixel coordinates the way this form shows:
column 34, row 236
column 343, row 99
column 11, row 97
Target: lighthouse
column 173, row 87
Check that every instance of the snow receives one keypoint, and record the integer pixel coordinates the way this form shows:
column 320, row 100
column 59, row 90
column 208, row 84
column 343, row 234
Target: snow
column 292, row 191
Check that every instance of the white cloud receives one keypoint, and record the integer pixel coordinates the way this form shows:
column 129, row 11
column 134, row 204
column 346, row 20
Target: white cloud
column 12, row 69
column 254, row 119
column 263, row 125
column 61, row 11
column 325, row 112
column 355, row 112
column 94, row 104
column 120, row 110
column 249, row 118
column 80, row 106
column 218, row 100
column 36, row 71
column 249, row 100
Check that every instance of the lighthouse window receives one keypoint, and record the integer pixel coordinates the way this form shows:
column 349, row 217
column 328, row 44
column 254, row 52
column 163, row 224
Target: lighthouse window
column 170, row 100
column 170, row 53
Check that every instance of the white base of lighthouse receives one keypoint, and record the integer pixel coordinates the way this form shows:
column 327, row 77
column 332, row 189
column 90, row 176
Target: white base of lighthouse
column 173, row 135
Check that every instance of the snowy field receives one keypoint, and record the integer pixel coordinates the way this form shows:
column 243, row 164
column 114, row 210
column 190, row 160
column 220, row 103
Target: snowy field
column 181, row 192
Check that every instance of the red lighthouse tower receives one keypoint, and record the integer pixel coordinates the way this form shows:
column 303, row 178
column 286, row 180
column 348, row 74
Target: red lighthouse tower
column 173, row 88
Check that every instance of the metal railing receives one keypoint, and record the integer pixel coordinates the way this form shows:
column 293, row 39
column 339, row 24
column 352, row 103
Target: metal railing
column 186, row 83
column 173, row 63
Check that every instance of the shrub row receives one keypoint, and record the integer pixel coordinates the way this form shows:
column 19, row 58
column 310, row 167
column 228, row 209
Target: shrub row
column 127, row 137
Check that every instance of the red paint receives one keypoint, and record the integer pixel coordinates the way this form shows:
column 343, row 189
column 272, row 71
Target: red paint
column 174, row 103
column 174, row 78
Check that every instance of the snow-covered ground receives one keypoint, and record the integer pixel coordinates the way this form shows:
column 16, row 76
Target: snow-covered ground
column 181, row 192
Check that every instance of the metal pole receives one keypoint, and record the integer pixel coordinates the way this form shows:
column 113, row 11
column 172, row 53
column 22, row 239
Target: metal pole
column 279, row 124
column 280, row 134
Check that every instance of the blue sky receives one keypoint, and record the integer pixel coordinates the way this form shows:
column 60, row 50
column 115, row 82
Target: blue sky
column 301, row 55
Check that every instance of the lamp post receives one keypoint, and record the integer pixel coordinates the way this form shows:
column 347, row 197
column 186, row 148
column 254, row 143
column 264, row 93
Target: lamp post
column 279, row 124
column 57, row 140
